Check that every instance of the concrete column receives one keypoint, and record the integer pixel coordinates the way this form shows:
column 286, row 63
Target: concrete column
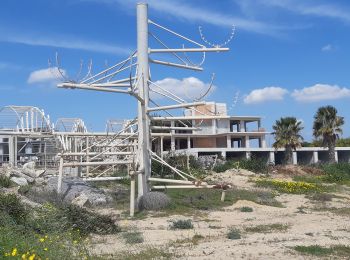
column 213, row 122
column 247, row 144
column 12, row 150
column 315, row 157
column 336, row 156
column 263, row 141
column 172, row 140
column 223, row 154
column 229, row 143
column 248, row 155
column 188, row 142
column 295, row 158
column 272, row 157
column 241, row 126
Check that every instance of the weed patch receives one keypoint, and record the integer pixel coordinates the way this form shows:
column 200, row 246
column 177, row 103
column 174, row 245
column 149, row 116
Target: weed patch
column 316, row 250
column 133, row 237
column 181, row 224
column 5, row 181
column 246, row 209
column 233, row 234
column 270, row 228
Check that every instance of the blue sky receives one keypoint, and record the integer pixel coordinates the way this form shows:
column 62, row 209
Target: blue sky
column 287, row 58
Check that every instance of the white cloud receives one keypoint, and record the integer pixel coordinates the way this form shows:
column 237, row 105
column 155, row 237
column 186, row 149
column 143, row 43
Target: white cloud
column 327, row 47
column 265, row 94
column 50, row 76
column 320, row 92
column 187, row 88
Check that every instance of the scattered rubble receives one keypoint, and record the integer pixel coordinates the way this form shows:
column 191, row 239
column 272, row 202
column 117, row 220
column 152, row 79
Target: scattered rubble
column 19, row 181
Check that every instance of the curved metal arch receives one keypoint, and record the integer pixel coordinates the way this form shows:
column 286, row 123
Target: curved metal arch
column 202, row 96
column 26, row 119
column 217, row 45
column 70, row 125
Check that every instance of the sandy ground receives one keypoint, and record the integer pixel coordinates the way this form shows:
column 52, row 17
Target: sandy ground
column 305, row 227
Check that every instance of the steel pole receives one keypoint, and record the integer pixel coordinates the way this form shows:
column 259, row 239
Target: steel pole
column 143, row 81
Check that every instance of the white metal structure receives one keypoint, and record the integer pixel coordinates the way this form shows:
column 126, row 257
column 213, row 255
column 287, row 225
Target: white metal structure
column 139, row 86
column 24, row 119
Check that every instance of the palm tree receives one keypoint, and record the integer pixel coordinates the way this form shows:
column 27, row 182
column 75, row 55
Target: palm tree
column 287, row 135
column 327, row 126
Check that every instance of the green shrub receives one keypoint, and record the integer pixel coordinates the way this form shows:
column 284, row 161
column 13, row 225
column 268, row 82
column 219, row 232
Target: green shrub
column 181, row 224
column 11, row 205
column 234, row 234
column 5, row 181
column 64, row 217
column 24, row 189
column 178, row 161
column 246, row 209
column 337, row 172
column 253, row 164
column 133, row 237
column 316, row 250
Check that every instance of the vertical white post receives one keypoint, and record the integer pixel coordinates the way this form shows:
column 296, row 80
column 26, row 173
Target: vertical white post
column 315, row 157
column 295, row 158
column 60, row 176
column 132, row 194
column 87, row 155
column 336, row 156
column 272, row 157
column 143, row 86
column 161, row 146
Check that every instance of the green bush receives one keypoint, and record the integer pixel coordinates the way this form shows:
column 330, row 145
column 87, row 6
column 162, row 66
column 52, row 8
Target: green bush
column 5, row 181
column 337, row 172
column 253, row 164
column 246, row 209
column 133, row 237
column 234, row 234
column 11, row 206
column 64, row 217
column 181, row 224
column 179, row 162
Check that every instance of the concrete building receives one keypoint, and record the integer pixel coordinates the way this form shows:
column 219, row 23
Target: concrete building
column 211, row 131
column 26, row 134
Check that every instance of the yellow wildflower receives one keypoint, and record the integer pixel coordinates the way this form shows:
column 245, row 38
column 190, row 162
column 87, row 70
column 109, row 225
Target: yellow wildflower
column 42, row 239
column 45, row 249
column 32, row 257
column 14, row 252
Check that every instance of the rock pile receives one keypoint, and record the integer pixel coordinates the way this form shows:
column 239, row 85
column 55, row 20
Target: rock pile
column 25, row 175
